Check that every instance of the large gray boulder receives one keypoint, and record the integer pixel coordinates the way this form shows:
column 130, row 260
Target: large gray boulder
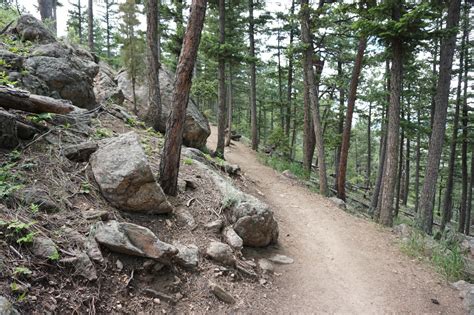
column 196, row 126
column 105, row 86
column 132, row 239
column 121, row 169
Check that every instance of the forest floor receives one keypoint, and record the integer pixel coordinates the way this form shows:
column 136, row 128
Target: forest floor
column 342, row 263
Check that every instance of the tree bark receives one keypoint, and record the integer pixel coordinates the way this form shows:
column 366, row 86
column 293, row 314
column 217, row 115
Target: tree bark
column 253, row 83
column 464, row 193
column 391, row 159
column 346, row 136
column 425, row 215
column 406, row 186
column 229, row 108
column 154, row 99
column 221, row 111
column 290, row 81
column 32, row 103
column 310, row 81
column 170, row 157
column 369, row 146
column 418, row 159
column 448, row 192
column 90, row 25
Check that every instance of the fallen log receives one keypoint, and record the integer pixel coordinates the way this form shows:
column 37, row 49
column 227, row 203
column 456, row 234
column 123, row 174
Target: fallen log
column 11, row 98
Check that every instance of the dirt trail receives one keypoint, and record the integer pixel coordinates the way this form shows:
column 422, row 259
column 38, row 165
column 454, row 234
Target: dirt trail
column 343, row 264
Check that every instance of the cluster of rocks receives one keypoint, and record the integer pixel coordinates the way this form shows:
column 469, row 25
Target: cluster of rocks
column 66, row 71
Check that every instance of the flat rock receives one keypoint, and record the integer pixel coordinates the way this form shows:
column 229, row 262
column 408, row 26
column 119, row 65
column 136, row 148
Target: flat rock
column 134, row 240
column 266, row 265
column 232, row 238
column 125, row 178
column 281, row 259
column 221, row 294
column 221, row 253
column 44, row 247
column 214, row 226
column 188, row 255
column 80, row 152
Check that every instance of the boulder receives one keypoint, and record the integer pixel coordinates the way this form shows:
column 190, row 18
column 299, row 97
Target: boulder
column 232, row 238
column 221, row 253
column 27, row 27
column 289, row 174
column 6, row 307
column 134, row 240
column 44, row 247
column 67, row 74
column 121, row 169
column 105, row 86
column 188, row 255
column 251, row 219
column 196, row 126
column 80, row 152
column 184, row 217
column 403, row 230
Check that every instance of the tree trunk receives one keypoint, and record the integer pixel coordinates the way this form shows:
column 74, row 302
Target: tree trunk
column 221, row 112
column 418, row 159
column 22, row 100
column 393, row 132
column 340, row 125
column 369, row 146
column 290, row 81
column 253, row 83
column 310, row 82
column 425, row 215
column 79, row 24
column 229, row 108
column 400, row 174
column 90, row 24
column 47, row 10
column 467, row 228
column 464, row 193
column 346, row 136
column 154, row 99
column 448, row 192
column 407, row 160
column 107, row 28
column 170, row 157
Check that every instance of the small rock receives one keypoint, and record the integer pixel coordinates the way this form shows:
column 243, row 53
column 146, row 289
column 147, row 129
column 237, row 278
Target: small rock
column 221, row 253
column 181, row 185
column 93, row 214
column 6, row 307
column 188, row 256
column 119, row 265
column 191, row 184
column 160, row 295
column 402, row 230
column 338, row 202
column 184, row 217
column 214, row 226
column 232, row 238
column 231, row 169
column 221, row 294
column 44, row 247
column 156, row 301
column 93, row 249
column 83, row 265
column 157, row 267
column 266, row 265
column 80, row 152
column 289, row 174
column 246, row 268
column 281, row 259
column 37, row 196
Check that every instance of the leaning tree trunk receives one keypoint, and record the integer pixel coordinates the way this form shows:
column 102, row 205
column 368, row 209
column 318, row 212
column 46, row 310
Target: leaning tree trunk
column 314, row 95
column 425, row 215
column 391, row 159
column 22, row 100
column 169, row 166
column 221, row 111
column 153, row 116
column 346, row 136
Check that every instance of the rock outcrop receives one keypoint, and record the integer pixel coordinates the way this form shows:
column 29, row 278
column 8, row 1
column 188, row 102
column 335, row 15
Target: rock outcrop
column 121, row 169
column 105, row 86
column 49, row 67
column 196, row 126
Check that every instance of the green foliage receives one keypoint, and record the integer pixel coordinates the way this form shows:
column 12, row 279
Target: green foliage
column 85, row 187
column 38, row 118
column 279, row 141
column 281, row 164
column 188, row 161
column 7, row 14
column 102, row 133
column 18, row 231
column 9, row 181
column 449, row 260
column 55, row 256
column 22, row 271
column 414, row 245
column 4, row 80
